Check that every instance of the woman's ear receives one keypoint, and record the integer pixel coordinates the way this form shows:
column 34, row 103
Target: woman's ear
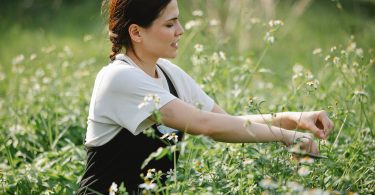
column 134, row 32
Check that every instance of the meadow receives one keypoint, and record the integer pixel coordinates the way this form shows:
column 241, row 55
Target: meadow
column 251, row 57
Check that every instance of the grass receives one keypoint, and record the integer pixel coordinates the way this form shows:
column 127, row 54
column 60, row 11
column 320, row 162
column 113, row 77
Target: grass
column 50, row 54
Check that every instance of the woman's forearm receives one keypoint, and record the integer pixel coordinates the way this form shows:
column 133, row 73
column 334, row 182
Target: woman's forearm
column 285, row 120
column 222, row 127
column 234, row 129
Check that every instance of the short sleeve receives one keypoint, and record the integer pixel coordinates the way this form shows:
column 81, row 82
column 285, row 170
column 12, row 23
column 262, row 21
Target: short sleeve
column 198, row 97
column 127, row 96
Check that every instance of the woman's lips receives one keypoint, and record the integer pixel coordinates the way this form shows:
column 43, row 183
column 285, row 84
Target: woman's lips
column 175, row 44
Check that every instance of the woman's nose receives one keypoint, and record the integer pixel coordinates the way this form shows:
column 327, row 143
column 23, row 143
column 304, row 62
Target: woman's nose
column 180, row 29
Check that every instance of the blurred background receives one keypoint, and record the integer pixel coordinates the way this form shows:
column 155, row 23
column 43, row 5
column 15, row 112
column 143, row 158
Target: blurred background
column 29, row 24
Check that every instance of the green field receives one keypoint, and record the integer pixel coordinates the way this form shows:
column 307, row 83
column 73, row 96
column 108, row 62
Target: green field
column 321, row 56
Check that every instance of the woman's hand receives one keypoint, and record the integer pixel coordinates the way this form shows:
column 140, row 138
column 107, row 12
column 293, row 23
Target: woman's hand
column 317, row 122
column 302, row 143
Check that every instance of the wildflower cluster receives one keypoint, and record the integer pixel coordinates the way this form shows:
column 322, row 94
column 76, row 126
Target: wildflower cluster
column 151, row 103
column 303, row 78
column 170, row 136
column 274, row 27
column 151, row 99
column 151, row 177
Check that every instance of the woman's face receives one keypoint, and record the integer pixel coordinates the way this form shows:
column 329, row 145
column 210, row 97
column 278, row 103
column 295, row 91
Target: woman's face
column 160, row 40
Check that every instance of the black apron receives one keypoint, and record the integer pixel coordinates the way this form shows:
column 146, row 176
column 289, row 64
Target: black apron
column 121, row 158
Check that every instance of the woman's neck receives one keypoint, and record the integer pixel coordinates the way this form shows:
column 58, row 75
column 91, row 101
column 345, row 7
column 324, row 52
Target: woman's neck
column 147, row 64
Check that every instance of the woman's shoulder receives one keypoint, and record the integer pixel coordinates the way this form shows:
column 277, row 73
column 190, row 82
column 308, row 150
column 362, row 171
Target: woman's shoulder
column 116, row 73
column 119, row 68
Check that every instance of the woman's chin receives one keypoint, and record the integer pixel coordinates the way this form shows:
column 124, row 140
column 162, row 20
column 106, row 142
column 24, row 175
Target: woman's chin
column 170, row 55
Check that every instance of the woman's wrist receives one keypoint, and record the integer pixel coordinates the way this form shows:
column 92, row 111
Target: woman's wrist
column 289, row 137
column 293, row 118
column 287, row 120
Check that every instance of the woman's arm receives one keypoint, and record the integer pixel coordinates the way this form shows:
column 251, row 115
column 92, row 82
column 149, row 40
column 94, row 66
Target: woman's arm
column 316, row 121
column 222, row 127
column 279, row 120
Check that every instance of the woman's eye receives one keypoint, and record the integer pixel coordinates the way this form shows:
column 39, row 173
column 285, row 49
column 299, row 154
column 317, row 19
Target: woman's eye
column 169, row 25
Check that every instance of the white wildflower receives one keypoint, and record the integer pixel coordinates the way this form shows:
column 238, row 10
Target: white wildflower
column 250, row 176
column 170, row 173
column 39, row 72
column 150, row 98
column 113, row 189
column 215, row 58
column 352, row 46
column 198, row 48
column 197, row 13
column 148, row 185
column 33, row 56
column 327, row 57
column 68, row 51
column 317, row 51
column 303, row 171
column 297, row 68
column 164, row 136
column 2, row 76
column 333, row 48
column 275, row 23
column 269, row 38
column 222, row 55
column 309, row 76
column 267, row 183
column 142, row 104
column 16, row 128
column 359, row 52
column 46, row 80
column 294, row 186
column 306, row 160
column 174, row 137
column 336, row 60
column 192, row 23
column 36, row 87
column 265, row 70
column 18, row 59
column 150, row 173
column 314, row 83
column 214, row 22
column 196, row 60
column 248, row 161
column 170, row 136
column 254, row 20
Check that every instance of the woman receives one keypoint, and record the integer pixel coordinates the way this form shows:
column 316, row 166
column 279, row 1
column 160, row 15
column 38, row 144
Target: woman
column 149, row 31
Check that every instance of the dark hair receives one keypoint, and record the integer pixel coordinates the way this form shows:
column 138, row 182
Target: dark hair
column 123, row 13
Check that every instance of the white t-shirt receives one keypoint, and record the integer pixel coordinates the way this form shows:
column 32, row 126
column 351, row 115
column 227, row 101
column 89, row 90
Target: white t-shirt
column 121, row 87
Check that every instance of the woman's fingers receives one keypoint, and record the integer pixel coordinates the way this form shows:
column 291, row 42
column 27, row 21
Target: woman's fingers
column 317, row 132
column 326, row 122
column 309, row 145
column 314, row 148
